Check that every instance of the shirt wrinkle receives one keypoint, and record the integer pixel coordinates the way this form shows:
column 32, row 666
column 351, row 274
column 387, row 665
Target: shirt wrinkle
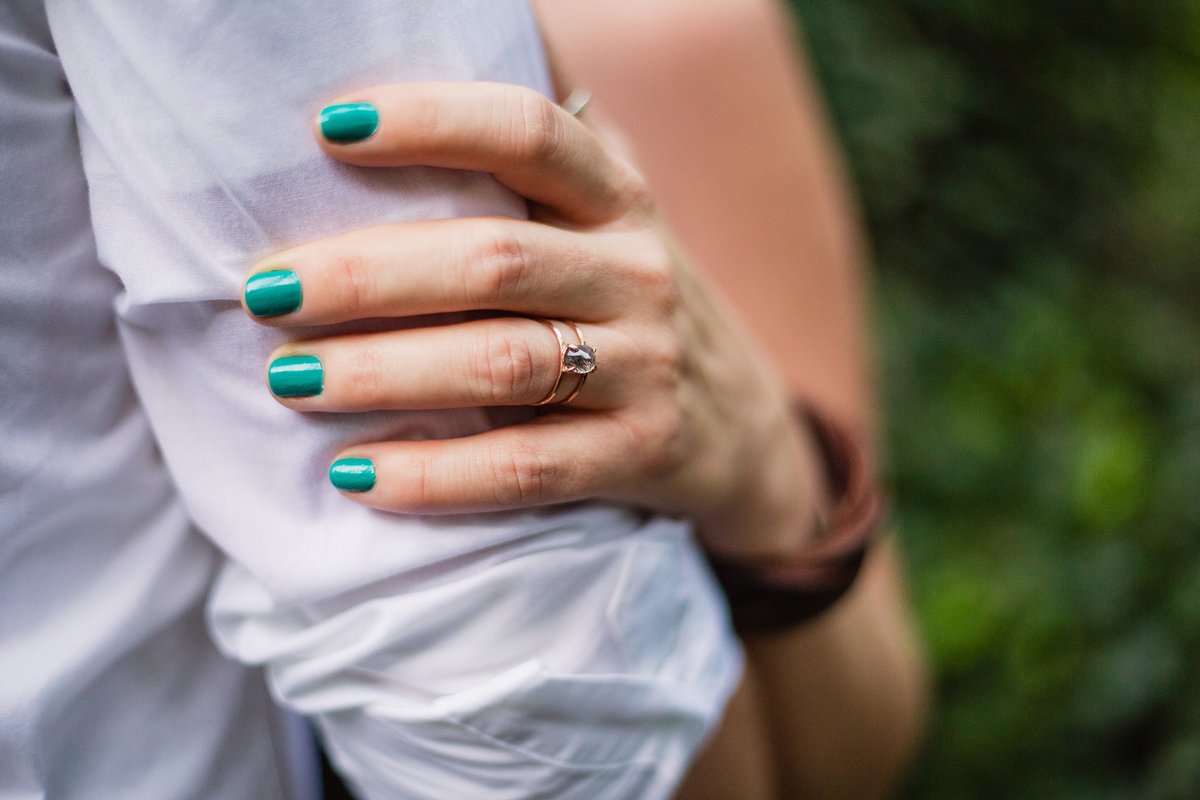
column 157, row 501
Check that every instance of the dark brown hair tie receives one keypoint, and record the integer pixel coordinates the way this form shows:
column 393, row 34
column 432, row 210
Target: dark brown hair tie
column 772, row 596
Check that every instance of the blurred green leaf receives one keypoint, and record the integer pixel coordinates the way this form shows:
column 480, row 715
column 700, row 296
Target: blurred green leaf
column 1030, row 174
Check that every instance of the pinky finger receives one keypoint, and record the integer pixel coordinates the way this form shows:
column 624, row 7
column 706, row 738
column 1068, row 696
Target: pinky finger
column 554, row 459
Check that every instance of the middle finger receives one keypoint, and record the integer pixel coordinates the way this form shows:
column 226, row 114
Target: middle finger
column 409, row 269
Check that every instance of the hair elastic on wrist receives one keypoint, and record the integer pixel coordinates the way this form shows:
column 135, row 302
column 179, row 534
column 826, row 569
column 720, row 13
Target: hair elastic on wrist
column 775, row 595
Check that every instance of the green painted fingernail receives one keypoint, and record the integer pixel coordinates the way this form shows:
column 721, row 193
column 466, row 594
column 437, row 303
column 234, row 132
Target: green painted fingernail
column 296, row 376
column 347, row 123
column 353, row 474
column 274, row 293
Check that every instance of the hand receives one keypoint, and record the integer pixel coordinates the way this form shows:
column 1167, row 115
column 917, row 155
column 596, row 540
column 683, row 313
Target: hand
column 682, row 415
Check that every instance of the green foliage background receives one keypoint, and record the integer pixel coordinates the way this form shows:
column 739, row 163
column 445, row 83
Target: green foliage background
column 1030, row 173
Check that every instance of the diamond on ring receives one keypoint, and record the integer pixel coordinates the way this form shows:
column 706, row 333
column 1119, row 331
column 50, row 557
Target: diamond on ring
column 579, row 359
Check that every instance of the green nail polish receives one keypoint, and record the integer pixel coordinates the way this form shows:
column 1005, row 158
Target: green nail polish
column 353, row 474
column 296, row 376
column 347, row 123
column 271, row 294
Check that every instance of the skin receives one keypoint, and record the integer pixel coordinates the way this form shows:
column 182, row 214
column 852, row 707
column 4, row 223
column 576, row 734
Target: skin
column 660, row 424
column 842, row 700
column 829, row 710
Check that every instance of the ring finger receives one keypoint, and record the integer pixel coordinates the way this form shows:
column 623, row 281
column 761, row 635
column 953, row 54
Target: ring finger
column 489, row 362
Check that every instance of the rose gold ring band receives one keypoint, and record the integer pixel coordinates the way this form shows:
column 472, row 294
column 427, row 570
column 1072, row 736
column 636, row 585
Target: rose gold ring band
column 577, row 359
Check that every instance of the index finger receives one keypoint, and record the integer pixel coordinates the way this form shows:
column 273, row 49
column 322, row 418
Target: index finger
column 527, row 142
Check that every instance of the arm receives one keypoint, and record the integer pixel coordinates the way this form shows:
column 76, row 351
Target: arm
column 745, row 170
column 504, row 655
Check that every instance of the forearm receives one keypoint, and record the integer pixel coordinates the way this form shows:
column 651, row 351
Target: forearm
column 448, row 657
column 742, row 164
column 845, row 694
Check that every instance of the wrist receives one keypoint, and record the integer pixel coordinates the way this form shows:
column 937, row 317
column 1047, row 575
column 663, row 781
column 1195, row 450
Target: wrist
column 781, row 507
column 769, row 594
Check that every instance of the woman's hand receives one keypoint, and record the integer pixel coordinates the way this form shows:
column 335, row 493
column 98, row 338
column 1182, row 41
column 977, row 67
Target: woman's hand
column 682, row 414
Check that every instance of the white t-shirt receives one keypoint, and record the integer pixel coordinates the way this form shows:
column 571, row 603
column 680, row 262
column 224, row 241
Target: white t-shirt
column 573, row 652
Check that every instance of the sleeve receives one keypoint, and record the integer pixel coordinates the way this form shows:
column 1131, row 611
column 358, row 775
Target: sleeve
column 570, row 653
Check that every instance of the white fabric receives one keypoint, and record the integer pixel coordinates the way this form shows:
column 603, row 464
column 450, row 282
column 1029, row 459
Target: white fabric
column 577, row 652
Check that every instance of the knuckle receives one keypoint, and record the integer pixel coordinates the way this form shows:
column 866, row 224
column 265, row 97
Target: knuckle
column 657, row 279
column 363, row 387
column 635, row 192
column 349, row 283
column 667, row 435
column 416, row 493
column 647, row 437
column 501, row 256
column 411, row 492
column 423, row 123
column 508, row 371
column 522, row 476
column 542, row 131
column 667, row 357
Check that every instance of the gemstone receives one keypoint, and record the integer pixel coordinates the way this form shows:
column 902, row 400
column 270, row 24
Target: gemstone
column 579, row 358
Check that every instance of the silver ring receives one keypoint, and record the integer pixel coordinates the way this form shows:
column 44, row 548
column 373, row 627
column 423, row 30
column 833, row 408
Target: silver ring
column 574, row 359
column 576, row 101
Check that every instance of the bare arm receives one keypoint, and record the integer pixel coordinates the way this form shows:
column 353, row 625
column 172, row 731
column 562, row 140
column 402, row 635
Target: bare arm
column 733, row 139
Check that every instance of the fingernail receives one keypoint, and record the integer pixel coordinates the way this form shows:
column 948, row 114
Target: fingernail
column 347, row 123
column 353, row 474
column 296, row 376
column 274, row 293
